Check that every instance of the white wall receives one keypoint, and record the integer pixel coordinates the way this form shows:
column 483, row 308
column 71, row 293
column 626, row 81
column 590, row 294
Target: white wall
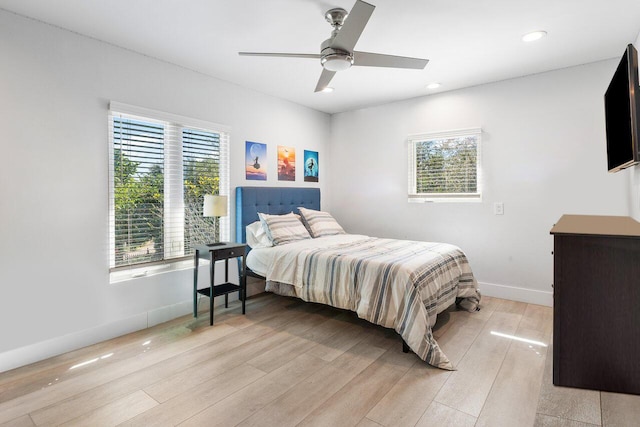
column 634, row 192
column 543, row 155
column 55, row 87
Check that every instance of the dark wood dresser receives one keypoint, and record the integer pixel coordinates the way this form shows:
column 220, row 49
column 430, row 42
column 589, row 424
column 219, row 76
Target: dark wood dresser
column 596, row 303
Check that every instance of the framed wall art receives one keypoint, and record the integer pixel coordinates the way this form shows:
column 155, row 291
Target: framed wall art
column 310, row 166
column 255, row 161
column 286, row 163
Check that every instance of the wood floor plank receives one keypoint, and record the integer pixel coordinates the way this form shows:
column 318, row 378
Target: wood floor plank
column 301, row 341
column 508, row 306
column 567, row 402
column 284, row 304
column 250, row 399
column 467, row 388
column 352, row 402
column 346, row 335
column 279, row 354
column 465, row 328
column 620, row 409
column 59, row 371
column 23, row 421
column 198, row 374
column 442, row 415
column 84, row 402
column 44, row 397
column 41, row 373
column 513, row 399
column 292, row 407
column 538, row 318
column 191, row 401
column 453, row 314
column 366, row 422
column 115, row 412
column 311, row 333
column 409, row 398
column 549, row 421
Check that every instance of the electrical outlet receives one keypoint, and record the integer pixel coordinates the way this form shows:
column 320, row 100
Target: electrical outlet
column 498, row 208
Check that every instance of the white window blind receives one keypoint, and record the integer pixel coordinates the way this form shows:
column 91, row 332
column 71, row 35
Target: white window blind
column 445, row 166
column 201, row 159
column 161, row 165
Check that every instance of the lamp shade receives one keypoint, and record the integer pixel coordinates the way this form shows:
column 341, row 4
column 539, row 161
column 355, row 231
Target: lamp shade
column 214, row 205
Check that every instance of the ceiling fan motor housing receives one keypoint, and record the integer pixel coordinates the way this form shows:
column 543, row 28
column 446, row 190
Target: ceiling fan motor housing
column 334, row 59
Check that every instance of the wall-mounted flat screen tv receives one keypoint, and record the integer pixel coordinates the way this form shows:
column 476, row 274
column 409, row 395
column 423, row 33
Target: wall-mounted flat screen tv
column 621, row 113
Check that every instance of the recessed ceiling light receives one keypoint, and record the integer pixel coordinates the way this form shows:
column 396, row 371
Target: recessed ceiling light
column 327, row 89
column 533, row 36
column 433, row 86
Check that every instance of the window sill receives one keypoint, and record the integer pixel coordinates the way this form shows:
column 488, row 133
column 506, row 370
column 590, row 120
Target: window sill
column 150, row 270
column 476, row 198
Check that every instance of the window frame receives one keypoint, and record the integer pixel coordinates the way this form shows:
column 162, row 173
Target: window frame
column 414, row 139
column 173, row 186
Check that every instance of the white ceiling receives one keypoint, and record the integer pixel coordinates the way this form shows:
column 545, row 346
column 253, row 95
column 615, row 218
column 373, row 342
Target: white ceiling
column 468, row 42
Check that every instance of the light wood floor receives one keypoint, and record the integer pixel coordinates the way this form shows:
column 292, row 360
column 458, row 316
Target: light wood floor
column 292, row 363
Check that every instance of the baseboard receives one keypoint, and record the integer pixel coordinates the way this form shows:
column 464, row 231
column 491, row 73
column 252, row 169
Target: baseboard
column 530, row 296
column 53, row 347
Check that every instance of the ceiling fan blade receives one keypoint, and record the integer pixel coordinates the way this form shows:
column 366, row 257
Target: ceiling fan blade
column 324, row 80
column 369, row 59
column 282, row 55
column 350, row 32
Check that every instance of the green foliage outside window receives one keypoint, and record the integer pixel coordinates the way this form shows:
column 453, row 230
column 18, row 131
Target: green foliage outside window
column 200, row 177
column 447, row 166
column 139, row 191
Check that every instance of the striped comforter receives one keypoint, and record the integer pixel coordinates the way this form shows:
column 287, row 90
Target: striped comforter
column 394, row 283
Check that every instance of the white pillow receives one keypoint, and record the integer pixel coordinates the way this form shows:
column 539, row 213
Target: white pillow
column 320, row 223
column 283, row 229
column 257, row 237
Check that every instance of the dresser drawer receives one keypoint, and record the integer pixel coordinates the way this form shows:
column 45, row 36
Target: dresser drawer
column 228, row 253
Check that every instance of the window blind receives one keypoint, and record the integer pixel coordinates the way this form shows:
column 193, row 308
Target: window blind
column 444, row 165
column 161, row 165
column 201, row 159
column 138, row 172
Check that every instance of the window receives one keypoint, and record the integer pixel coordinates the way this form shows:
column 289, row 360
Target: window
column 161, row 166
column 444, row 166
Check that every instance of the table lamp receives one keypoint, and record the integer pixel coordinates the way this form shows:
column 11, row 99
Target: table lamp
column 214, row 206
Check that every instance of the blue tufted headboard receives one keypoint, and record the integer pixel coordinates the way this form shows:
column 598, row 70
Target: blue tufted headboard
column 270, row 200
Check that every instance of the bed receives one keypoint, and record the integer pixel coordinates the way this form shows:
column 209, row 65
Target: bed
column 393, row 283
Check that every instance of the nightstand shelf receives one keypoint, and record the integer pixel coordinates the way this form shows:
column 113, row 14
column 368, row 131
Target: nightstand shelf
column 217, row 252
column 222, row 289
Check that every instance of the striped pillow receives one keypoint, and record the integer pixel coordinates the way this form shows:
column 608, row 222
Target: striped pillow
column 283, row 229
column 320, row 223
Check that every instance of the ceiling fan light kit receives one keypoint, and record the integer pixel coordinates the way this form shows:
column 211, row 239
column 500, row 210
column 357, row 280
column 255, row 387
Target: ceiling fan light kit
column 533, row 36
column 337, row 53
column 336, row 61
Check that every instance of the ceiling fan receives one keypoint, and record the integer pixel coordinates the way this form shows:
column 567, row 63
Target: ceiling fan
column 337, row 54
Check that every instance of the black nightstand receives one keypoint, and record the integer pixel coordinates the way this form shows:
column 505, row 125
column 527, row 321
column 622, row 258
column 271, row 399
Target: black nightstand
column 215, row 252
